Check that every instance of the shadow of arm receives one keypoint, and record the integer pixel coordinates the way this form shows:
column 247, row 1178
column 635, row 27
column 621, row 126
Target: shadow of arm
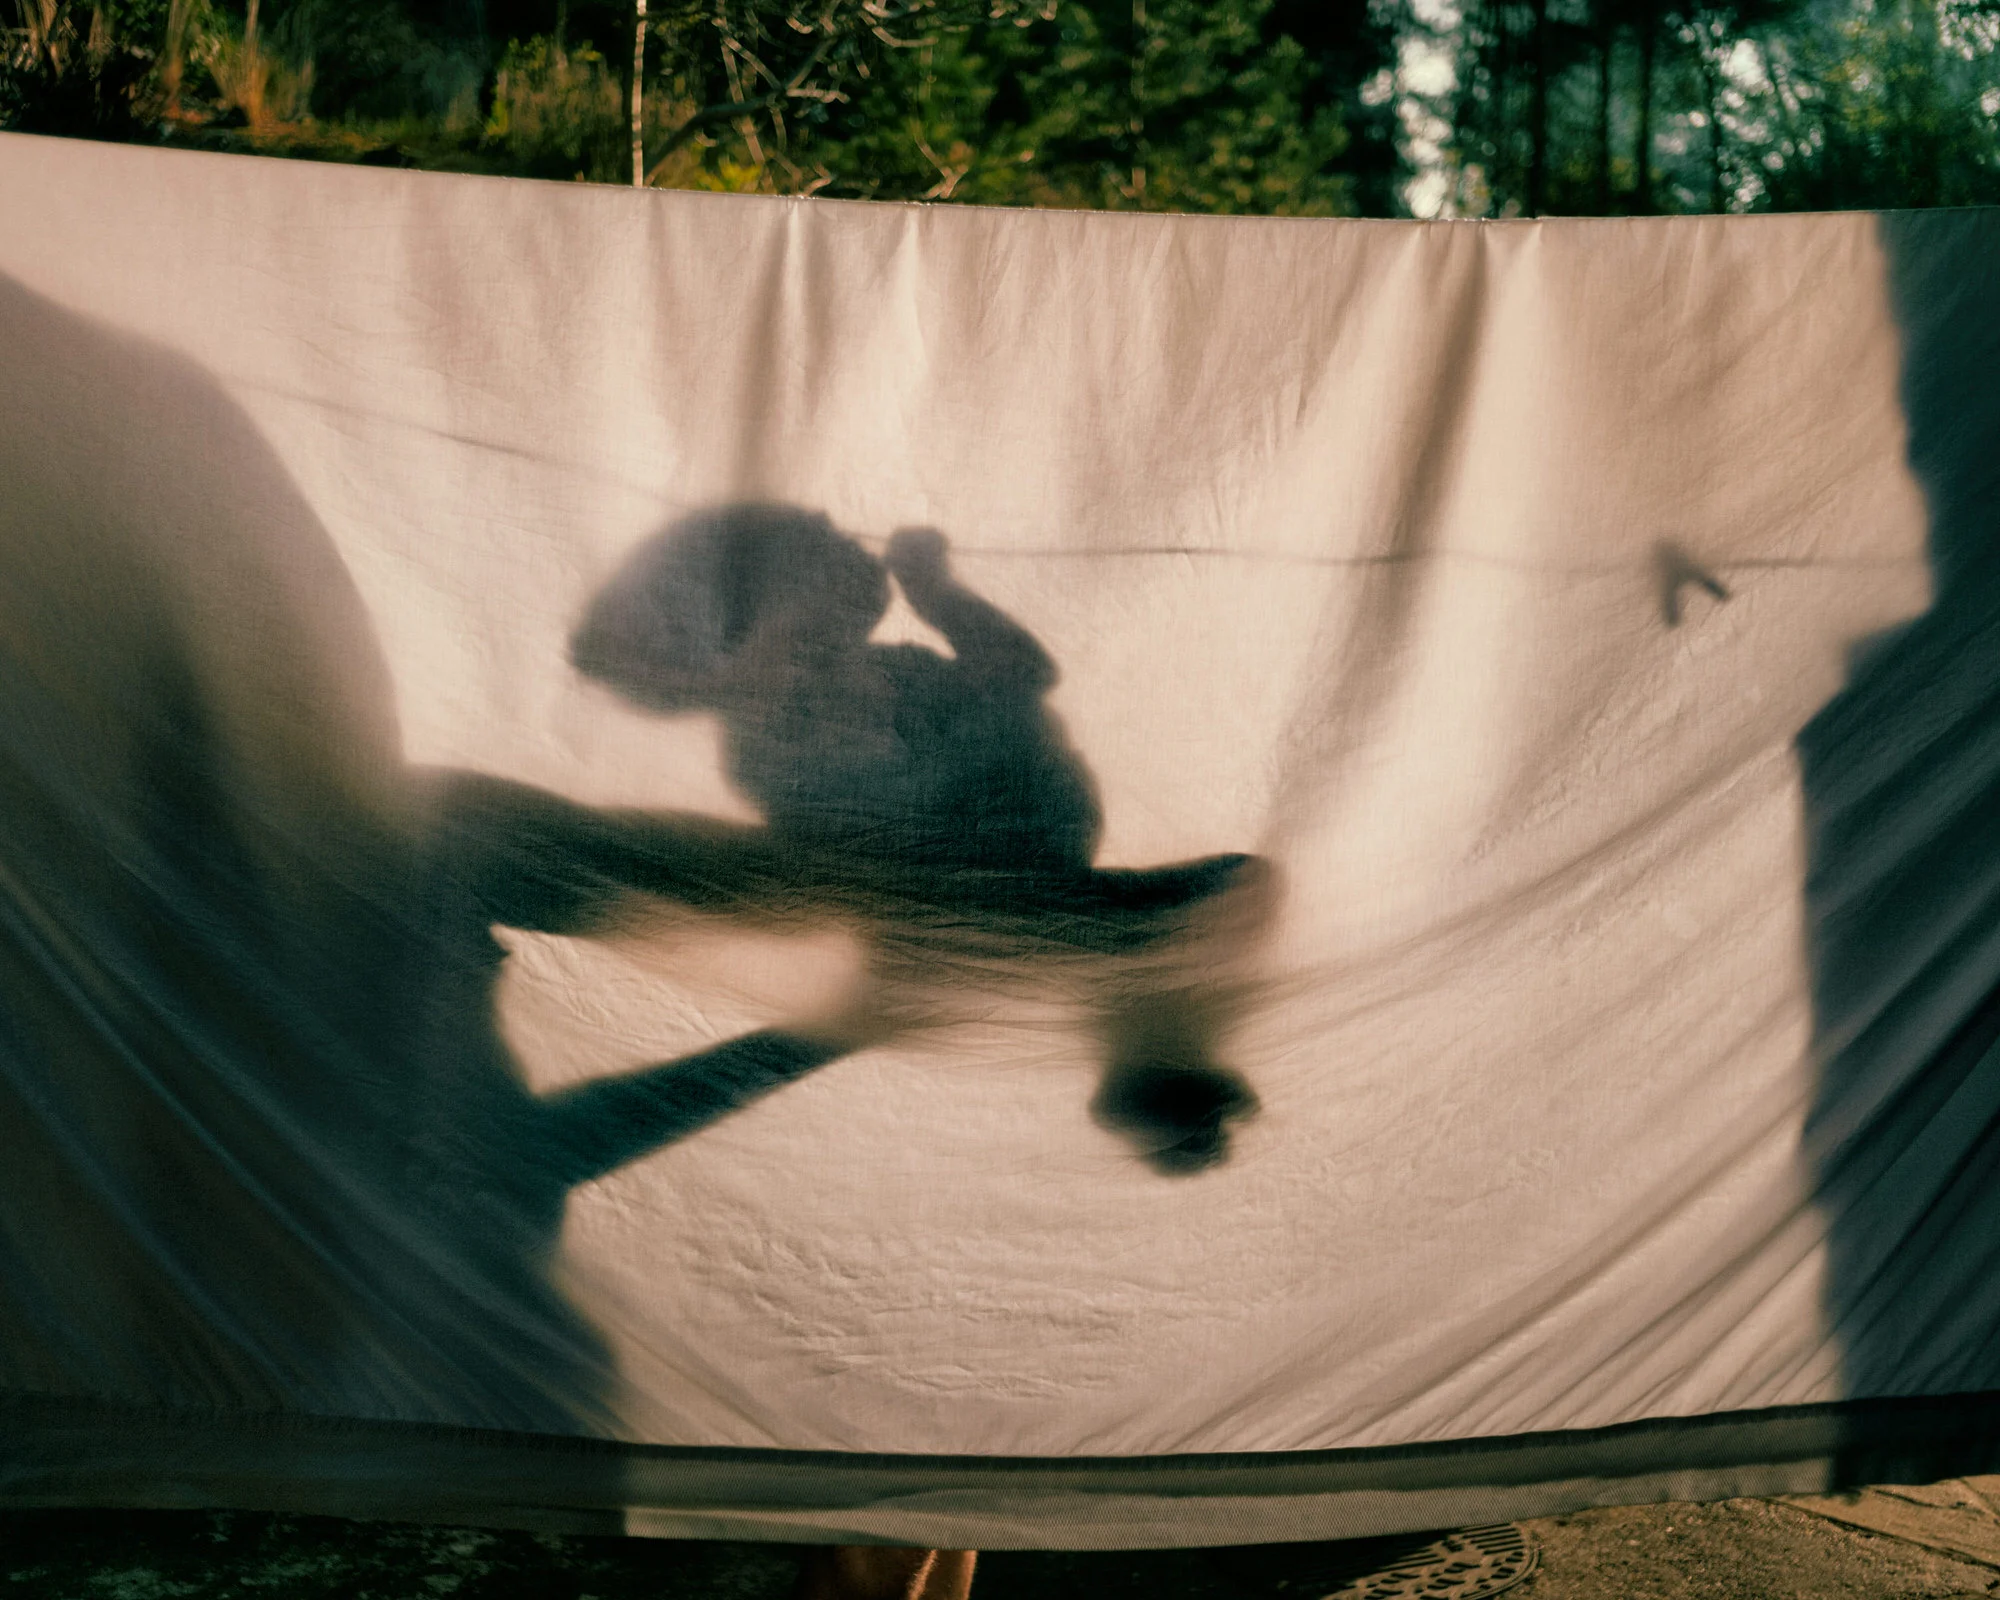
column 988, row 642
column 598, row 1127
column 538, row 861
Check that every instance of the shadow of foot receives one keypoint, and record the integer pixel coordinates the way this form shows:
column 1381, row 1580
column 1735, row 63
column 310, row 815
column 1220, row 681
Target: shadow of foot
column 1177, row 1113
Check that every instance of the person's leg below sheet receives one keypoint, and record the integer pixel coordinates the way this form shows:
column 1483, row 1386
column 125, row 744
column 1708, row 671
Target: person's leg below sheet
column 884, row 1572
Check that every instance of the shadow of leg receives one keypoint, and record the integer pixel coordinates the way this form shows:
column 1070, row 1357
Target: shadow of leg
column 1162, row 1088
column 598, row 1127
column 881, row 1572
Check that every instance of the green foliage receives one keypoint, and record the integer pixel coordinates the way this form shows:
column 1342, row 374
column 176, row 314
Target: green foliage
column 558, row 113
column 1476, row 107
column 1896, row 105
column 1165, row 105
column 763, row 79
column 68, row 68
column 1169, row 105
column 1715, row 105
column 385, row 59
column 915, row 128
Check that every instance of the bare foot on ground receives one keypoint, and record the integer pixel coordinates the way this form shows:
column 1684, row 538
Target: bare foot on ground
column 884, row 1572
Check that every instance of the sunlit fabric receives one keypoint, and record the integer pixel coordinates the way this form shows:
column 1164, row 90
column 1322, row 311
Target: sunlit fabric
column 740, row 866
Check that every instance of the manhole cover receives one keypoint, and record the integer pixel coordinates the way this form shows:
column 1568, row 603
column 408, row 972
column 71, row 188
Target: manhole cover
column 1456, row 1566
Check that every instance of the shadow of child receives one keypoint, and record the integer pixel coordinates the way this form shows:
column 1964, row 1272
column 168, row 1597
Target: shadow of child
column 929, row 798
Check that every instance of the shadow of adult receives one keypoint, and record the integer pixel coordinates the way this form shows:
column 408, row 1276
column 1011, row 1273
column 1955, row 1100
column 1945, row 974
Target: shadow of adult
column 203, row 1042
column 261, row 1145
column 1902, row 794
column 931, row 798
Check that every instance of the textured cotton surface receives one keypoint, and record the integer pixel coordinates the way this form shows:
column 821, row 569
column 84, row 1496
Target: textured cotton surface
column 793, row 826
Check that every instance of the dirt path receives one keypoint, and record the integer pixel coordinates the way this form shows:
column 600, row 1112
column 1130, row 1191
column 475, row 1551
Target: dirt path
column 1935, row 1543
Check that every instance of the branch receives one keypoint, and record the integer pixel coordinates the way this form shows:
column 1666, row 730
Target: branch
column 702, row 119
column 841, row 26
column 805, row 70
column 709, row 115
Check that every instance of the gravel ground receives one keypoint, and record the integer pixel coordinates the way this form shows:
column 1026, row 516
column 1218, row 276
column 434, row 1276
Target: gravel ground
column 1736, row 1550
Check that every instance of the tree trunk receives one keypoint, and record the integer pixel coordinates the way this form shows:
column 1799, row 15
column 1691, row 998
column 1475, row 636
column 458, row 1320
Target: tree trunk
column 1604, row 43
column 1538, row 112
column 1642, row 161
column 1136, row 122
column 253, row 74
column 1711, row 93
column 173, row 54
column 638, row 94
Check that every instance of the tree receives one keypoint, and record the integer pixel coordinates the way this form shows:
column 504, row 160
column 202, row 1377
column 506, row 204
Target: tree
column 1162, row 105
column 1497, row 106
column 70, row 68
column 1348, row 70
column 1518, row 91
column 769, row 72
column 1896, row 104
column 1548, row 90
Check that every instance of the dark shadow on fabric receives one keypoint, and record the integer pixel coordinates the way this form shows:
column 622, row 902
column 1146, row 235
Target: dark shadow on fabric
column 1678, row 572
column 200, row 1059
column 932, row 798
column 1161, row 1087
column 261, row 1144
column 1902, row 794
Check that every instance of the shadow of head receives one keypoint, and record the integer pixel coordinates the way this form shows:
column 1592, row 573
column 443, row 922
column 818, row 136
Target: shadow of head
column 710, row 609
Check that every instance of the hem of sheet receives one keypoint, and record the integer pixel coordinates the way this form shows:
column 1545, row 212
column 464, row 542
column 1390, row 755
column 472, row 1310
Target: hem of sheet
column 73, row 1452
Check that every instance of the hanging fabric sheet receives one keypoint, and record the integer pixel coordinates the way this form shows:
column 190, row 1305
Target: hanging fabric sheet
column 726, row 865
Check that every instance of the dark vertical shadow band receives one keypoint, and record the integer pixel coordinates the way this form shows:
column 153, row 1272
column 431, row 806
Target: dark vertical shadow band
column 1902, row 792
